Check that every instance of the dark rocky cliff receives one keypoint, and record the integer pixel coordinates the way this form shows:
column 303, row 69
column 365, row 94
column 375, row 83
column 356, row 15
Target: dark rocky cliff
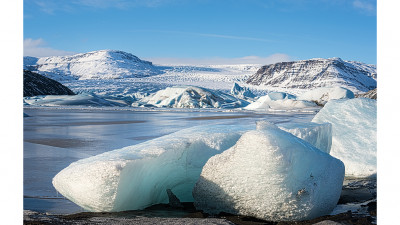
column 36, row 84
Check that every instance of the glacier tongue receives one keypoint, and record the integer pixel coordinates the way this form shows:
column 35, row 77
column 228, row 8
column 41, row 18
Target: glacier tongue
column 353, row 133
column 272, row 175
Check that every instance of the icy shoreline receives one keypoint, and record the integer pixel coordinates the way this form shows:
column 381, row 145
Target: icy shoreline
column 357, row 205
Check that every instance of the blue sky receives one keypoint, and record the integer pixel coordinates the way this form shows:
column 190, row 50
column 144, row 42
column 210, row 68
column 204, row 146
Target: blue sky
column 202, row 31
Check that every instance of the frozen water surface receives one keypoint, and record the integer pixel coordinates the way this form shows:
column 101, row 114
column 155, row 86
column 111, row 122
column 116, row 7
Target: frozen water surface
column 54, row 138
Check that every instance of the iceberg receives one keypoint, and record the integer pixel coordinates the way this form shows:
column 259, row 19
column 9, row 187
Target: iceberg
column 279, row 101
column 241, row 92
column 323, row 94
column 192, row 97
column 138, row 176
column 272, row 175
column 353, row 133
column 83, row 99
column 317, row 134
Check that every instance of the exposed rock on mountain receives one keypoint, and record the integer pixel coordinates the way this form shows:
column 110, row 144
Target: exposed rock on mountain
column 370, row 94
column 36, row 84
column 103, row 64
column 313, row 73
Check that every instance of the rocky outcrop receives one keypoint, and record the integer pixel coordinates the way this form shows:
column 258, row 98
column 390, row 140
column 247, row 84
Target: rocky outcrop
column 36, row 84
column 373, row 94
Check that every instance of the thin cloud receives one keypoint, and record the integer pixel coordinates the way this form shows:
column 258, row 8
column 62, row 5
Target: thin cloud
column 365, row 5
column 233, row 37
column 222, row 61
column 51, row 6
column 38, row 48
column 223, row 36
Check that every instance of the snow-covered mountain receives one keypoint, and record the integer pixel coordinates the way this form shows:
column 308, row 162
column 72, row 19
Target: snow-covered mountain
column 103, row 64
column 313, row 73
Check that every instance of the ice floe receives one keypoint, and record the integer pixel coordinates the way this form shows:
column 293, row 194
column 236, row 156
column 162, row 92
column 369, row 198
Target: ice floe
column 323, row 94
column 280, row 101
column 272, row 175
column 353, row 133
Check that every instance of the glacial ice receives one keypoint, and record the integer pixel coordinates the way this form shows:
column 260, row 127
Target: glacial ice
column 272, row 175
column 323, row 94
column 353, row 133
column 192, row 97
column 317, row 134
column 84, row 99
column 241, row 92
column 279, row 101
column 138, row 176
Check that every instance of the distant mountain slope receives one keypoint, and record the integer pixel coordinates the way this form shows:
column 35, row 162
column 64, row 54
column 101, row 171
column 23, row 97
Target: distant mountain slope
column 36, row 84
column 313, row 73
column 103, row 64
column 373, row 94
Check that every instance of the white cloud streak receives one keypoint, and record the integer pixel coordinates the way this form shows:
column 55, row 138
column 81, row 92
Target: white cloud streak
column 38, row 48
column 223, row 36
column 365, row 5
column 278, row 57
column 51, row 6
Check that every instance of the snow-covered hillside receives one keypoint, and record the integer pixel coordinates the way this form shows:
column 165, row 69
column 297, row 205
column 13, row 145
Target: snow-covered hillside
column 313, row 73
column 103, row 64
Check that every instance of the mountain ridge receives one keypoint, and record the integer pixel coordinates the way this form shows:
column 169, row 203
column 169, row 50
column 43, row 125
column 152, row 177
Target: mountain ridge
column 318, row 72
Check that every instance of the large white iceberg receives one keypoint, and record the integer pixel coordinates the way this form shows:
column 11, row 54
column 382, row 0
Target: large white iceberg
column 272, row 175
column 241, row 92
column 138, row 176
column 192, row 97
column 353, row 133
column 279, row 101
column 324, row 94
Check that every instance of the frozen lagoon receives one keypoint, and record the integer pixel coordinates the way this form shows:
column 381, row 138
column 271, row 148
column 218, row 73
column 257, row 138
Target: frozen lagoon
column 54, row 138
